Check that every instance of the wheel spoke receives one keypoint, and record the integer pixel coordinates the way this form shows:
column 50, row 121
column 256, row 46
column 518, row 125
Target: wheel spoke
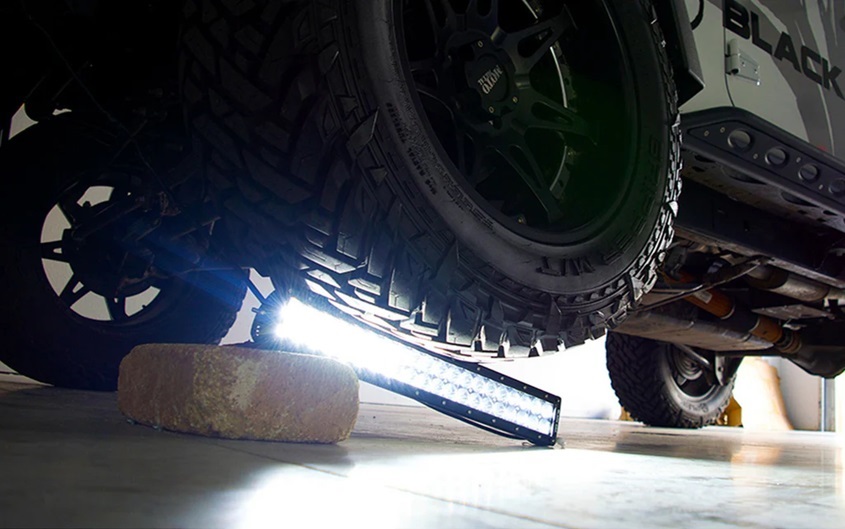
column 561, row 182
column 547, row 114
column 494, row 8
column 697, row 387
column 73, row 291
column 52, row 251
column 432, row 97
column 480, row 171
column 119, row 193
column 436, row 9
column 426, row 76
column 489, row 20
column 532, row 177
column 450, row 126
column 463, row 165
column 71, row 210
column 424, row 65
column 451, row 15
column 68, row 204
column 432, row 17
column 542, row 36
column 461, row 141
column 117, row 308
column 681, row 380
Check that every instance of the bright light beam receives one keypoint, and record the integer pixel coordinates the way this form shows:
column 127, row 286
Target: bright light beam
column 468, row 391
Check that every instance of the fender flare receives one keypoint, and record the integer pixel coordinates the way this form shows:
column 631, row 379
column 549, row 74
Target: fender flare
column 674, row 19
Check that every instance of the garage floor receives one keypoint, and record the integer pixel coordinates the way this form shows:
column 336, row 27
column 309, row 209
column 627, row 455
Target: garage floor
column 69, row 459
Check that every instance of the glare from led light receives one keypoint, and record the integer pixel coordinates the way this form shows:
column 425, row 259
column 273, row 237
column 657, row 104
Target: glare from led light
column 365, row 350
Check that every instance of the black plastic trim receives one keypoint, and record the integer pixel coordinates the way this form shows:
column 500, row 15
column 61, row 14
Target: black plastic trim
column 680, row 44
column 767, row 153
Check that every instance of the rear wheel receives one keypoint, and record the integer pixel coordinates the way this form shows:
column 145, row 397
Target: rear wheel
column 660, row 385
column 90, row 265
column 487, row 177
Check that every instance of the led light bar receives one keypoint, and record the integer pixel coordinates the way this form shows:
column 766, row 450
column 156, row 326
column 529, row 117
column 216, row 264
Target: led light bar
column 467, row 391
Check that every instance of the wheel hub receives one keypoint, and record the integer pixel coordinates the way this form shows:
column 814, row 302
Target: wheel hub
column 105, row 267
column 687, row 367
column 689, row 376
column 482, row 64
column 490, row 74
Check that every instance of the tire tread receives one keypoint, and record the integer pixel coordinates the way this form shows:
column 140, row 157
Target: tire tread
column 633, row 365
column 366, row 242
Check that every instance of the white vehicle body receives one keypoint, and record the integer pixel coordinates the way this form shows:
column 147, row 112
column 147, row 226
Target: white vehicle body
column 778, row 59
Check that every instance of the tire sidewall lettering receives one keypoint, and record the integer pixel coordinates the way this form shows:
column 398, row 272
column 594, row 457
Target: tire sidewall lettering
column 537, row 265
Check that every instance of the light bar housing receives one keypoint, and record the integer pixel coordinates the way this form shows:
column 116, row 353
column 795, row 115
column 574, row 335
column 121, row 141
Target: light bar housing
column 468, row 391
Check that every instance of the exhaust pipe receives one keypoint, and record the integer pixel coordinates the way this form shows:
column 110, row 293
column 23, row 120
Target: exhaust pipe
column 818, row 351
column 742, row 319
column 792, row 286
column 741, row 332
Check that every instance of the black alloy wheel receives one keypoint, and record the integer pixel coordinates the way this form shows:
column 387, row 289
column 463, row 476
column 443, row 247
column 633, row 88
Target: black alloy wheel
column 103, row 266
column 496, row 85
column 95, row 264
column 689, row 376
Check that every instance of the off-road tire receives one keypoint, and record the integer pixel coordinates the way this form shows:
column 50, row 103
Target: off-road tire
column 311, row 144
column 41, row 337
column 643, row 378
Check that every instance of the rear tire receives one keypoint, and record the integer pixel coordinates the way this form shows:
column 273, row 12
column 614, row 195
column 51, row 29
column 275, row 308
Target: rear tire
column 659, row 386
column 44, row 333
column 316, row 141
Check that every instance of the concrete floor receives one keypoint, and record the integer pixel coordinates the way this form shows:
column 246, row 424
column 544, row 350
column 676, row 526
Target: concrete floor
column 69, row 459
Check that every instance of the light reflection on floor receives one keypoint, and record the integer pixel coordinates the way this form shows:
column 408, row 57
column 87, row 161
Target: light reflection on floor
column 70, row 459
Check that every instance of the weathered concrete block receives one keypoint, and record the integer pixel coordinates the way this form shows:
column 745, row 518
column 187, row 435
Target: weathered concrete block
column 239, row 393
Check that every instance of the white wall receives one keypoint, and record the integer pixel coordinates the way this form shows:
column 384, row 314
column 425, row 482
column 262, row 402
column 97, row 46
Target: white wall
column 840, row 405
column 577, row 375
column 801, row 395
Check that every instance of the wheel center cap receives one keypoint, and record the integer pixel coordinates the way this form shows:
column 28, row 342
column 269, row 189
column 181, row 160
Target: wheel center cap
column 489, row 77
column 102, row 266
